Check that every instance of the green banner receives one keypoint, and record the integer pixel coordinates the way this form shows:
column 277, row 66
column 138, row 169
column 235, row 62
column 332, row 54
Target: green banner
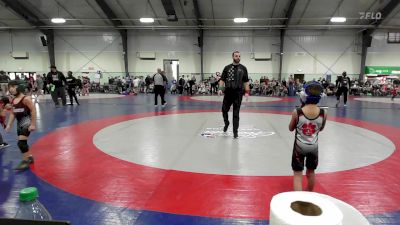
column 382, row 70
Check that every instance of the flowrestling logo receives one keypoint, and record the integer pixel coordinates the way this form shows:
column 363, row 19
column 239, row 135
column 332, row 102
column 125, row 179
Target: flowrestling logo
column 370, row 15
column 246, row 132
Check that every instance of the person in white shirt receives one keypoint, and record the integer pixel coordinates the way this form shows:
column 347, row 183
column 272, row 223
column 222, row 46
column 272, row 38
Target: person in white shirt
column 136, row 83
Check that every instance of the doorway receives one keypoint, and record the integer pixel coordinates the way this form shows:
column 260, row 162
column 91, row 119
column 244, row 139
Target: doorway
column 171, row 68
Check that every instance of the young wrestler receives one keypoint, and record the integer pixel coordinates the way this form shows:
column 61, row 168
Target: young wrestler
column 24, row 111
column 307, row 121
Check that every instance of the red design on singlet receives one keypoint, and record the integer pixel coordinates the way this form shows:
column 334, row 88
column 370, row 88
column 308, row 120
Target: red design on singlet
column 308, row 129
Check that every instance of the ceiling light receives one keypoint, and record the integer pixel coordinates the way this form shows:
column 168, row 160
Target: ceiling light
column 240, row 20
column 338, row 19
column 58, row 20
column 147, row 20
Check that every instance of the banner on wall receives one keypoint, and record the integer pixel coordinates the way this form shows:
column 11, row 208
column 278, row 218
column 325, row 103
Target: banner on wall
column 387, row 70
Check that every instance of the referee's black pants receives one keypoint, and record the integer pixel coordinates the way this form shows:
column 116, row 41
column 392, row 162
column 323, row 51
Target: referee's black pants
column 232, row 96
column 340, row 91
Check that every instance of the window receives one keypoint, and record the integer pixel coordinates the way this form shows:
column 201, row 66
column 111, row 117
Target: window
column 393, row 38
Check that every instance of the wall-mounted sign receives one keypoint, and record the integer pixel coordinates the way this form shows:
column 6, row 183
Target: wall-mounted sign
column 387, row 70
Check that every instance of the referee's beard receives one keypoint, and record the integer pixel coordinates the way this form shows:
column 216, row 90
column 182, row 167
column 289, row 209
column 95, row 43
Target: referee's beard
column 236, row 61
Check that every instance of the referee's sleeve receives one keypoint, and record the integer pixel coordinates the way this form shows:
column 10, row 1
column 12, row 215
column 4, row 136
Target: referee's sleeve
column 224, row 75
column 245, row 75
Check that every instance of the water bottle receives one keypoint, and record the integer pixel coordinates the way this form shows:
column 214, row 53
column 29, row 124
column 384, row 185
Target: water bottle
column 30, row 208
